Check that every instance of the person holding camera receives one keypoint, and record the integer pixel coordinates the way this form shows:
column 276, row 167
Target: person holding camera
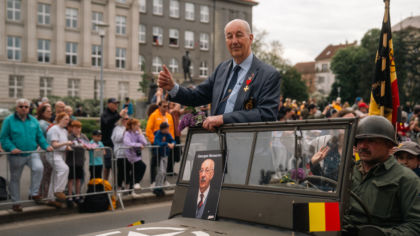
column 134, row 138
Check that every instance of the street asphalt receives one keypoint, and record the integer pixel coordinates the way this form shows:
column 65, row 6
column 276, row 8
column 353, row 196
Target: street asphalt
column 76, row 224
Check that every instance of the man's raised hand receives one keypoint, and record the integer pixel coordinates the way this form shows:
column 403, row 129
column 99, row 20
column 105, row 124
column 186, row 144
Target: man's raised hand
column 165, row 79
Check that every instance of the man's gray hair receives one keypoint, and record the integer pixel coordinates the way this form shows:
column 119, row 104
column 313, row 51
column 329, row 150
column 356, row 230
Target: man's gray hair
column 22, row 101
column 244, row 22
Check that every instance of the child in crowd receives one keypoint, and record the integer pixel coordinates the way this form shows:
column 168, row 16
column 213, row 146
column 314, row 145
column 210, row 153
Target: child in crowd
column 95, row 156
column 134, row 139
column 408, row 154
column 117, row 138
column 76, row 158
column 165, row 141
column 57, row 136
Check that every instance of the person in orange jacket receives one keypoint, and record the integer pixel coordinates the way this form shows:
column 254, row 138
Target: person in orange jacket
column 159, row 116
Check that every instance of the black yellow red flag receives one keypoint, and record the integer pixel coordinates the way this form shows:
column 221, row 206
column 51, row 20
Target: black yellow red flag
column 384, row 100
column 316, row 217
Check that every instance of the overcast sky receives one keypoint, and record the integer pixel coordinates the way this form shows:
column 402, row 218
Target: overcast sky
column 306, row 27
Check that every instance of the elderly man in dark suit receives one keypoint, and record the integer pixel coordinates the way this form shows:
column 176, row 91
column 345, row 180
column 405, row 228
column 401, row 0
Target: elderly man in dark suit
column 240, row 90
column 204, row 200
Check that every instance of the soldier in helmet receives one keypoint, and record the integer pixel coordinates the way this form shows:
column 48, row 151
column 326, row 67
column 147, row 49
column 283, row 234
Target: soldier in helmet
column 389, row 191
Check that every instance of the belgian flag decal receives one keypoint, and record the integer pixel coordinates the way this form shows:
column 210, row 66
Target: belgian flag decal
column 316, row 216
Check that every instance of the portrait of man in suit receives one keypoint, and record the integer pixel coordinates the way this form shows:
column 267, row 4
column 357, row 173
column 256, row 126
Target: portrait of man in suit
column 241, row 89
column 202, row 198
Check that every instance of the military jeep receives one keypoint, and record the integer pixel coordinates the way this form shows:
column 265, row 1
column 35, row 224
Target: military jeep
column 269, row 170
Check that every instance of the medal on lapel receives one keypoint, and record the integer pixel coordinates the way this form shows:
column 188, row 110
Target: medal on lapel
column 249, row 104
column 248, row 81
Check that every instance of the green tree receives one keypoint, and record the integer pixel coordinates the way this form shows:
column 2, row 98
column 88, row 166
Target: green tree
column 292, row 85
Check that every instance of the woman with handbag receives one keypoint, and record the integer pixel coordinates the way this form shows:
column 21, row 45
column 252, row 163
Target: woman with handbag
column 134, row 139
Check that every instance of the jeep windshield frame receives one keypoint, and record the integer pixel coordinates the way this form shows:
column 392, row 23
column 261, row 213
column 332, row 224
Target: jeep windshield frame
column 252, row 138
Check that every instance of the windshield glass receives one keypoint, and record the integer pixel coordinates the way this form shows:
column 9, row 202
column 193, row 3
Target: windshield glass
column 302, row 159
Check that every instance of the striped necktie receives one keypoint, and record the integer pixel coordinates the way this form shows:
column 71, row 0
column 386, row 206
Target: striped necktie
column 222, row 105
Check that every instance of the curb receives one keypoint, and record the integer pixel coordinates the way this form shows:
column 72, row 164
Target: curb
column 44, row 211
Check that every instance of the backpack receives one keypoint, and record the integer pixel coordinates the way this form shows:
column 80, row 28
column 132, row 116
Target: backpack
column 3, row 189
column 97, row 202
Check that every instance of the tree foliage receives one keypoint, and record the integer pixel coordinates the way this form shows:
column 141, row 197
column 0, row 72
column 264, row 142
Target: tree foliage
column 272, row 54
column 354, row 67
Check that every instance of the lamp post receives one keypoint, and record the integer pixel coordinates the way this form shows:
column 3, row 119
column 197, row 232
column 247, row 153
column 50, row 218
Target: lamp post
column 101, row 31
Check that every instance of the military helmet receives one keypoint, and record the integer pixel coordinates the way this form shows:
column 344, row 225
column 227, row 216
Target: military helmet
column 375, row 127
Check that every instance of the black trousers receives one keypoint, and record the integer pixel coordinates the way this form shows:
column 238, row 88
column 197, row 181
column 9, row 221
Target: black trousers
column 174, row 156
column 95, row 172
column 130, row 173
column 154, row 164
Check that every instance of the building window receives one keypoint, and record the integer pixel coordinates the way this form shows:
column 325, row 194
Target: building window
column 321, row 80
column 158, row 7
column 121, row 24
column 13, row 48
column 71, row 17
column 97, row 89
column 122, row 90
column 189, row 39
column 142, row 34
column 122, row 1
column 189, row 11
column 204, row 70
column 73, row 87
column 173, row 65
column 13, row 9
column 96, row 55
column 204, row 41
column 45, row 86
column 44, row 50
column 156, row 65
column 15, row 86
column 71, row 53
column 324, row 68
column 173, row 37
column 142, row 4
column 204, row 14
column 142, row 63
column 120, row 58
column 174, row 9
column 44, row 13
column 157, row 36
column 97, row 18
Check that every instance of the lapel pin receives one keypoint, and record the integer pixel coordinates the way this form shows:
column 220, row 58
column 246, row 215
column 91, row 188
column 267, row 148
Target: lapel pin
column 248, row 81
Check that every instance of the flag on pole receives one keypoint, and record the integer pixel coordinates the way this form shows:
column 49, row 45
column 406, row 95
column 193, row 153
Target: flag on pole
column 384, row 99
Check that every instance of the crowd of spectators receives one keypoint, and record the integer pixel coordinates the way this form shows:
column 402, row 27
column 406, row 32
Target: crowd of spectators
column 60, row 174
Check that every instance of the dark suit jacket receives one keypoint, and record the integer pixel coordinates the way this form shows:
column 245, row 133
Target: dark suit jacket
column 210, row 206
column 264, row 92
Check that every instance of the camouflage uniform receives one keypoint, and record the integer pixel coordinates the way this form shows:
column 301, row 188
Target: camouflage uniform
column 390, row 191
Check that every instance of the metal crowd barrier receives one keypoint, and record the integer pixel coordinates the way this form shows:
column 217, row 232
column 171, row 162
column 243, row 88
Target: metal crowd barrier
column 150, row 157
column 149, row 154
column 49, row 168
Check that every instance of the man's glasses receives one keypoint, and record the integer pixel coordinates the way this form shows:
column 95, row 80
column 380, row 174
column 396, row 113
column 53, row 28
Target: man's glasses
column 126, row 118
column 206, row 170
column 23, row 107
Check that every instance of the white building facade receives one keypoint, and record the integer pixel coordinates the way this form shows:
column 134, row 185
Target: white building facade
column 52, row 47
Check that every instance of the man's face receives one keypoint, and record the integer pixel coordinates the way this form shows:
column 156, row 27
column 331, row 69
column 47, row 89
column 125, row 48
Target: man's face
column 113, row 106
column 163, row 108
column 165, row 131
column 409, row 160
column 59, row 107
column 373, row 150
column 22, row 109
column 238, row 40
column 206, row 174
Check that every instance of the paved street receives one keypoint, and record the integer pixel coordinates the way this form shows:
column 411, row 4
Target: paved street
column 76, row 224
